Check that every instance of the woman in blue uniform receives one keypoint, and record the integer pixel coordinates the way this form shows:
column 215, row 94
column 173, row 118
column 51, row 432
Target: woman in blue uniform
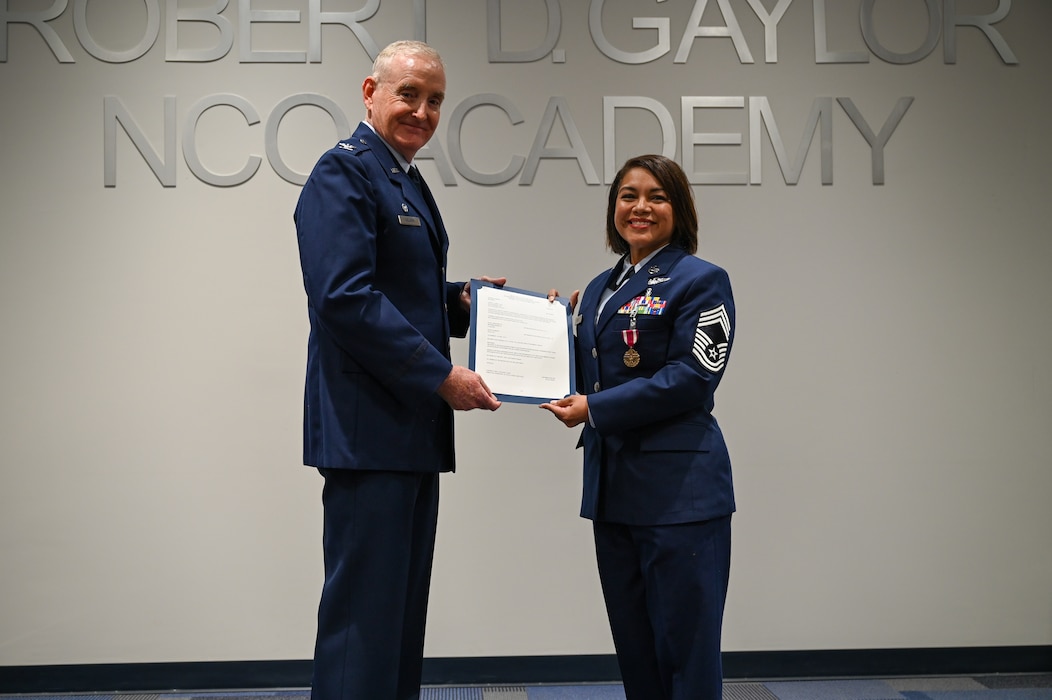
column 653, row 337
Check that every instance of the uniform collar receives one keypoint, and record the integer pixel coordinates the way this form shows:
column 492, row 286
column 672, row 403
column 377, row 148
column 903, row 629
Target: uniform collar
column 402, row 162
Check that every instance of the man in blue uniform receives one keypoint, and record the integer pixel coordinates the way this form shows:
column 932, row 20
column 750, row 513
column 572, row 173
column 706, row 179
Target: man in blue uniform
column 380, row 387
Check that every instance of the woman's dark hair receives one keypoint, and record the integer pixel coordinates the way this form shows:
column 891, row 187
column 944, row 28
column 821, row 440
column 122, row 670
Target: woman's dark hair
column 674, row 181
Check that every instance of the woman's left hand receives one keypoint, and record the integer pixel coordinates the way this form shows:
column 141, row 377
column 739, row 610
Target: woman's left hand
column 571, row 411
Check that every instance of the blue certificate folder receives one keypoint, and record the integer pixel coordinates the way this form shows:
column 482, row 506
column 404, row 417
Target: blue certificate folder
column 500, row 380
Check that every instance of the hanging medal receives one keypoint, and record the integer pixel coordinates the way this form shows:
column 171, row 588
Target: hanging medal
column 631, row 336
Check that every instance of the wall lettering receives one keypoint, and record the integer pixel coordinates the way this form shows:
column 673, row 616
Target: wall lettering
column 723, row 20
column 521, row 168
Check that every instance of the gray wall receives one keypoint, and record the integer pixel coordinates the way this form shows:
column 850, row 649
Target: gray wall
column 887, row 404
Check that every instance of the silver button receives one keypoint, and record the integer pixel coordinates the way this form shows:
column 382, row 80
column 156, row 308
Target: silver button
column 596, row 387
column 594, row 353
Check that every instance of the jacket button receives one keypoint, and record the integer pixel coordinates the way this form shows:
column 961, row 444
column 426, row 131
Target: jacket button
column 594, row 353
column 596, row 387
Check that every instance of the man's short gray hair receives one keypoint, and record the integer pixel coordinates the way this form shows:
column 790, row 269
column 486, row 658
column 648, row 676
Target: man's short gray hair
column 403, row 48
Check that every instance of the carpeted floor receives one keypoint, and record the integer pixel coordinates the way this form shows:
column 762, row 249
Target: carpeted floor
column 997, row 687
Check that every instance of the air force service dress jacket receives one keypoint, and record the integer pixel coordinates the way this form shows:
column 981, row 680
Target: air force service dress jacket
column 656, row 455
column 373, row 254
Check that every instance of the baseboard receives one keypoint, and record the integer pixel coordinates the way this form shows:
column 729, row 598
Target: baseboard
column 875, row 663
column 525, row 670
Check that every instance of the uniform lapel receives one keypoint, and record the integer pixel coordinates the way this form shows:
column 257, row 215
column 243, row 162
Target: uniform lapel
column 419, row 198
column 434, row 218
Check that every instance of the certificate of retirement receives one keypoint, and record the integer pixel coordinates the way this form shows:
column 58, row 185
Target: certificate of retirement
column 521, row 343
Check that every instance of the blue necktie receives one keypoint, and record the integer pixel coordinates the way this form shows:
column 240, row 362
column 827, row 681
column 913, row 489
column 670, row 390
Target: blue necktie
column 414, row 175
column 615, row 284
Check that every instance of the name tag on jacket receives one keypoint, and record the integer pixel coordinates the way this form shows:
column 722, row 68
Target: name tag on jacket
column 408, row 220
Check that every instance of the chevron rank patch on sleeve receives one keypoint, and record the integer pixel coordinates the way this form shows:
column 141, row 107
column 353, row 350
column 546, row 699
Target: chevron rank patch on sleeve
column 712, row 337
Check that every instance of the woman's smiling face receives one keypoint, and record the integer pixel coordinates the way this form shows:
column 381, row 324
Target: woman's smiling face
column 644, row 215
